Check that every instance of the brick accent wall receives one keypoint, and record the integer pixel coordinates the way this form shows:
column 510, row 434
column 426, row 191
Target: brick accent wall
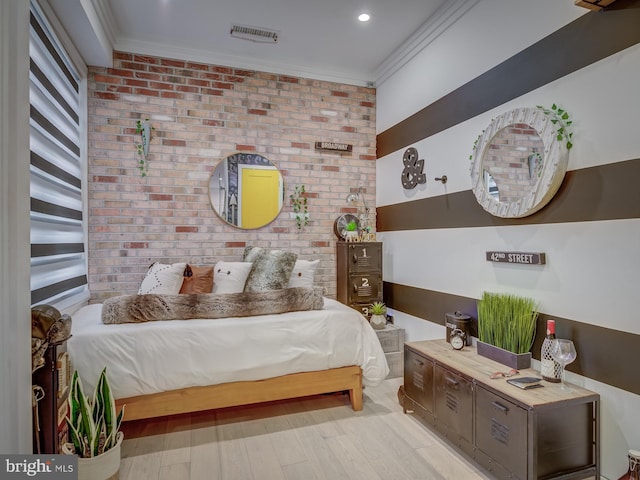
column 201, row 113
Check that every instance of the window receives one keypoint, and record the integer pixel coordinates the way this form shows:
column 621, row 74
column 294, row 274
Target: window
column 58, row 232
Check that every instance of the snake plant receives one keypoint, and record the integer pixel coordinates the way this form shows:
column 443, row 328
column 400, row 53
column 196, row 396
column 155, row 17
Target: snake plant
column 93, row 424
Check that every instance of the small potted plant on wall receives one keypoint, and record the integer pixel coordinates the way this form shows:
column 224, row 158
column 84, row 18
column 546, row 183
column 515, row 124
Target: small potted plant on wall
column 506, row 328
column 94, row 430
column 299, row 204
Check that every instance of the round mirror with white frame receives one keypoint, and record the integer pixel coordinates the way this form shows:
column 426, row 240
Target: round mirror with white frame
column 518, row 163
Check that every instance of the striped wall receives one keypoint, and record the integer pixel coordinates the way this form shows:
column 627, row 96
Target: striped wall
column 501, row 55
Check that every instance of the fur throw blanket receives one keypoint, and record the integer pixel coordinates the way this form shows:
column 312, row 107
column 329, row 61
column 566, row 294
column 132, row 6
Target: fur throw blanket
column 145, row 308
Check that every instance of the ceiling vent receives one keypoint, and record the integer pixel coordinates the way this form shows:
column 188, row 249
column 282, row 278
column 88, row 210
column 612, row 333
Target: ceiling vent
column 254, row 34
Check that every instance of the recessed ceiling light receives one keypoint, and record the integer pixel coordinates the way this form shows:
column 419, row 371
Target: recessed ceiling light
column 364, row 17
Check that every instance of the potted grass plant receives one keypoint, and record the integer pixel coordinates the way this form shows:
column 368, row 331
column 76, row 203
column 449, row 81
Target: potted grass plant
column 507, row 328
column 94, row 430
column 378, row 319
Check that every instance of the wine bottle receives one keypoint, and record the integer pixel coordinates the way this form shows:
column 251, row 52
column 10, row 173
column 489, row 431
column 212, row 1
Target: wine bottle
column 550, row 370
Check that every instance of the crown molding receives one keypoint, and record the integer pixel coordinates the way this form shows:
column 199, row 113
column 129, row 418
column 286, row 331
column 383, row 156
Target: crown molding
column 103, row 24
column 448, row 14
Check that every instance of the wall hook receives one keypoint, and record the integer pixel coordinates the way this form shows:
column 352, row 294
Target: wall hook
column 442, row 179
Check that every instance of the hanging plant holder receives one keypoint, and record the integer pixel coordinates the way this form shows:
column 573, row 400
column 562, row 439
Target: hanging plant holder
column 143, row 128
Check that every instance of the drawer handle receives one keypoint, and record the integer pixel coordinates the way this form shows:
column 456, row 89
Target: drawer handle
column 419, row 362
column 500, row 407
column 451, row 381
column 355, row 258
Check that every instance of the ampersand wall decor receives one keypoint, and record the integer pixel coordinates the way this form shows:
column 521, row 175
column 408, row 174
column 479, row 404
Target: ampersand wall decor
column 412, row 174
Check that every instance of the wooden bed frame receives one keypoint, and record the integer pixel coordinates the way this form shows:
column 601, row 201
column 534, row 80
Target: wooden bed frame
column 195, row 399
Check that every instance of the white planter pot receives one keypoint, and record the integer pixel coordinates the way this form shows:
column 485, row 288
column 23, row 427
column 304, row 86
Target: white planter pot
column 102, row 467
column 351, row 236
column 378, row 322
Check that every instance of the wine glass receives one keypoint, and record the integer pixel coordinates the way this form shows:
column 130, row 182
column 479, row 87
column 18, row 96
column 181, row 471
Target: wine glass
column 564, row 352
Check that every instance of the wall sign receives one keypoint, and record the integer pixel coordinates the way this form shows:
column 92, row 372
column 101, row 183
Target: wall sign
column 412, row 173
column 337, row 147
column 525, row 258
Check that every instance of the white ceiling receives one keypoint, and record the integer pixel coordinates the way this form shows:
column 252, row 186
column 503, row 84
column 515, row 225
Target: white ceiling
column 317, row 38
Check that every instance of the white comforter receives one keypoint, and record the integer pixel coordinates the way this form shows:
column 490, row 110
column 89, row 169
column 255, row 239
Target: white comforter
column 153, row 357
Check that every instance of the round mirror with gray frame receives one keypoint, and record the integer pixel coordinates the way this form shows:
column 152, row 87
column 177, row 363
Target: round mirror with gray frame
column 246, row 190
column 518, row 163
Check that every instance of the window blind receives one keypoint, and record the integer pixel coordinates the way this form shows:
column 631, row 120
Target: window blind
column 58, row 239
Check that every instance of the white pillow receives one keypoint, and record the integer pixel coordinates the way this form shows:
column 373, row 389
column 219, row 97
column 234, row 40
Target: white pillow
column 163, row 279
column 230, row 277
column 304, row 273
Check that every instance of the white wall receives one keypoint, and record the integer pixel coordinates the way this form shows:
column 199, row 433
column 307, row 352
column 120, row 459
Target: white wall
column 592, row 267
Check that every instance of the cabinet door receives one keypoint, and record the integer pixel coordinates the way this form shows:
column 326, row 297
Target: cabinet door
column 365, row 288
column 454, row 405
column 365, row 257
column 501, row 431
column 418, row 379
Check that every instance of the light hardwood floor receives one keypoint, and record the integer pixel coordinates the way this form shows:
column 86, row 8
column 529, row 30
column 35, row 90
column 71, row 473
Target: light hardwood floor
column 318, row 437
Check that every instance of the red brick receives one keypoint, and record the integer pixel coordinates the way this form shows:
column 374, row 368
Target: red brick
column 305, row 146
column 319, row 244
column 257, row 111
column 330, row 168
column 185, row 229
column 286, row 78
column 106, row 79
column 185, row 88
column 245, row 148
column 235, row 244
column 136, row 83
column 161, row 86
column 135, row 245
column 226, row 70
column 159, row 197
column 367, row 104
column 197, row 66
column 105, row 179
column 348, row 129
column 173, row 143
column 367, row 157
column 145, row 59
column 133, row 66
column 120, row 72
column 147, row 92
column 212, row 91
column 165, row 94
column 338, row 93
column 107, row 95
column 213, row 123
column 318, row 118
column 122, row 56
column 172, row 63
column 223, row 85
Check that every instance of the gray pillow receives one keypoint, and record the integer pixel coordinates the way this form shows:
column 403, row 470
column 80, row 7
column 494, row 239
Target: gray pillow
column 271, row 270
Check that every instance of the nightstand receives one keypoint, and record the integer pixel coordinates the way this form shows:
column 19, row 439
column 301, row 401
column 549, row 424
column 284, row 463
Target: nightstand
column 392, row 341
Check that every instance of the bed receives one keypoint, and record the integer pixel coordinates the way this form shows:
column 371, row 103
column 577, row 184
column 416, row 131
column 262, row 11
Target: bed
column 169, row 367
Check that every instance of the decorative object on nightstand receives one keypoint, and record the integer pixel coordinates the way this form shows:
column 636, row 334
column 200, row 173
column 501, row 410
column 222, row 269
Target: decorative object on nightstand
column 378, row 319
column 340, row 225
column 392, row 341
column 364, row 217
column 359, row 270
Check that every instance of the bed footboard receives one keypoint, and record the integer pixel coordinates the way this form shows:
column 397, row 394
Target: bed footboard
column 196, row 399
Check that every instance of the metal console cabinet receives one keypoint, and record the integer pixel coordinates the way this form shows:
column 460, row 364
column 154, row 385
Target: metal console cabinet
column 542, row 433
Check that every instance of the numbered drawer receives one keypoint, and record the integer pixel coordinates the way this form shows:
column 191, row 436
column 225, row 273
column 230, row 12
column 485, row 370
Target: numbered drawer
column 365, row 257
column 391, row 338
column 364, row 288
column 453, row 404
column 501, row 431
column 418, row 379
